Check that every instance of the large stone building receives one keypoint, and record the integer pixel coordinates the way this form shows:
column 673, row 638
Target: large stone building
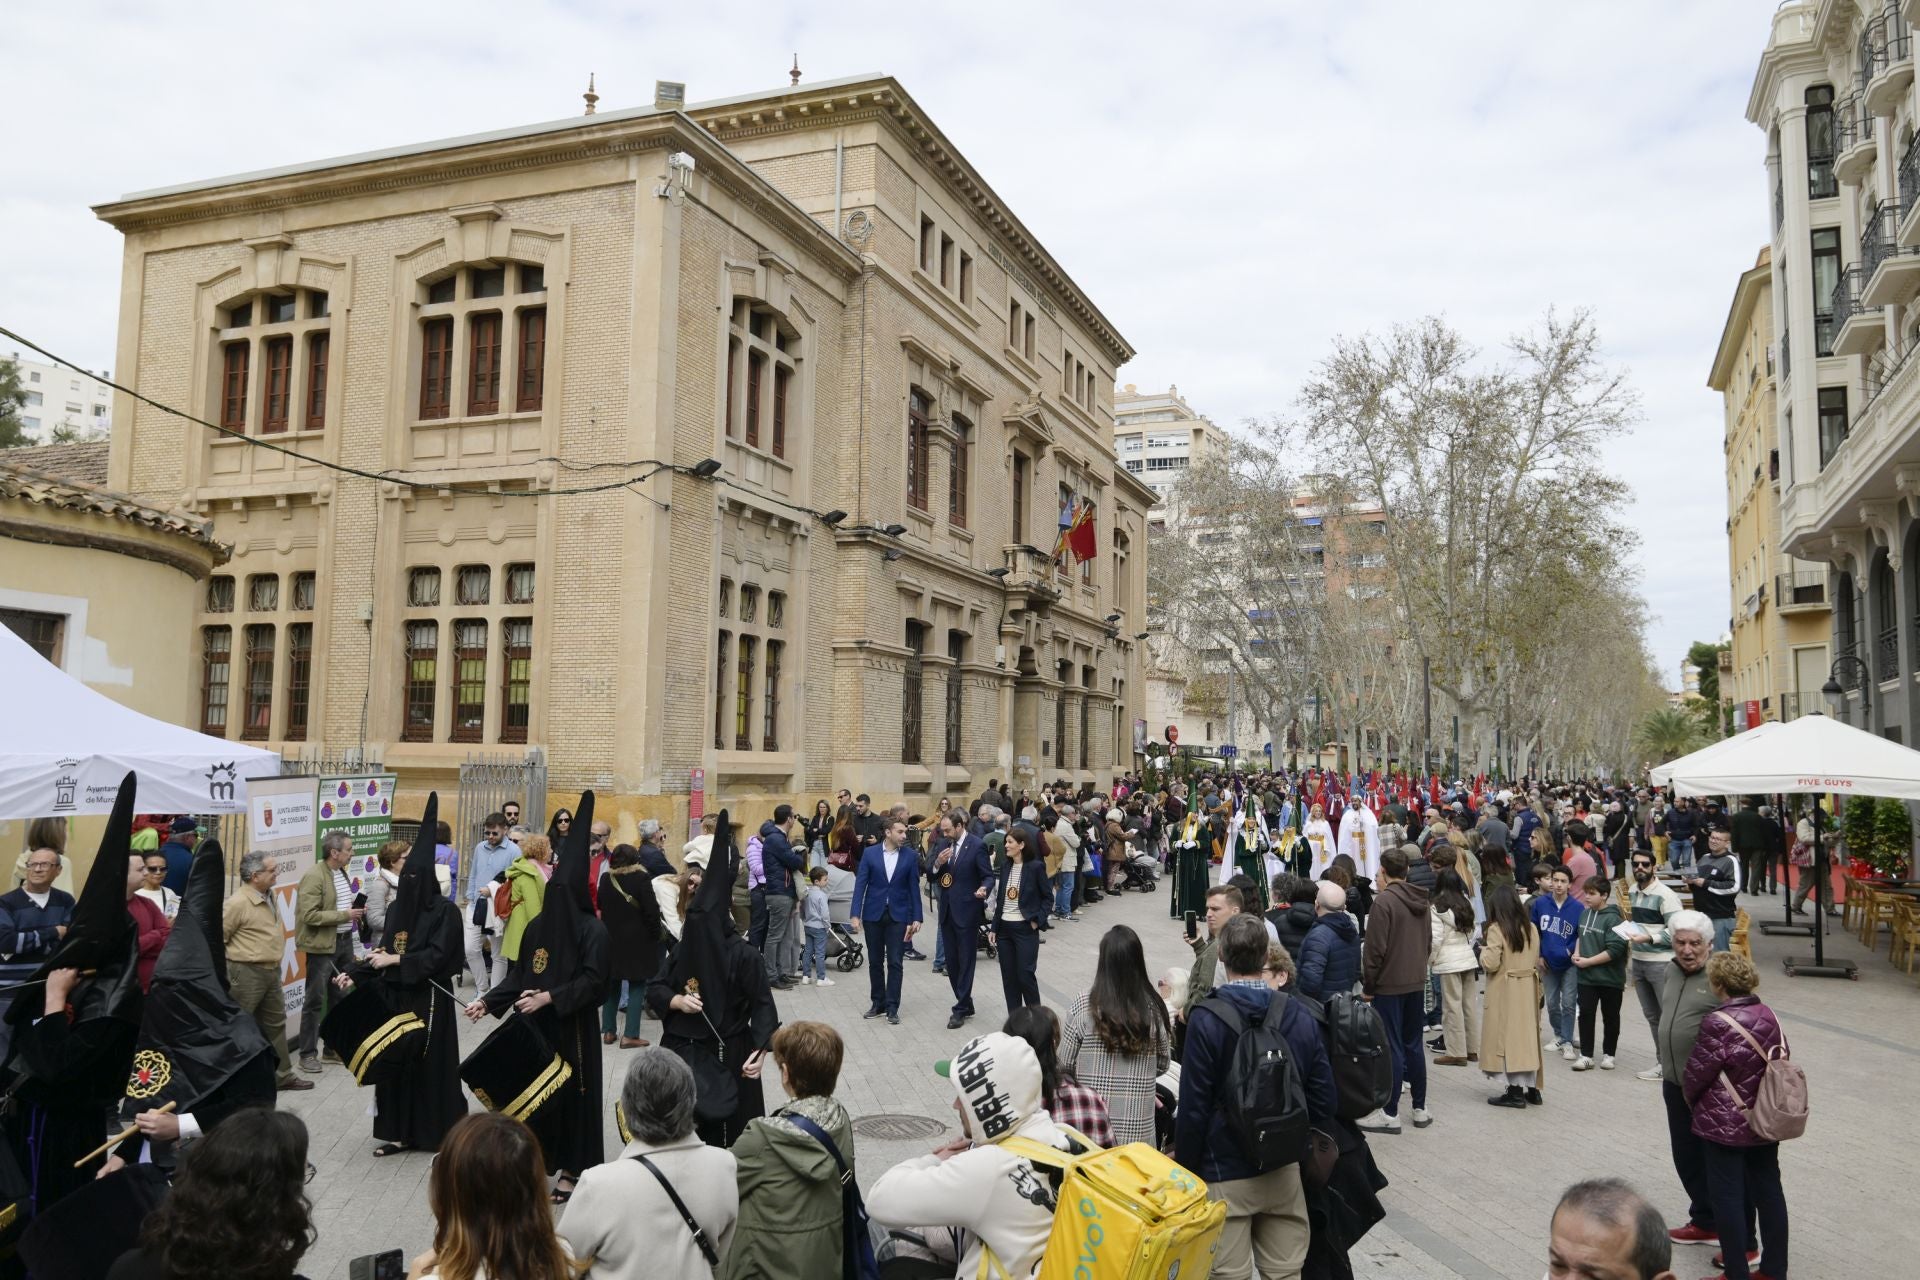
column 1834, row 95
column 1780, row 619
column 468, row 387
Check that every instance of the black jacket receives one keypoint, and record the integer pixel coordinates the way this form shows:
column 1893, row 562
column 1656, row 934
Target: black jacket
column 631, row 913
column 1291, row 922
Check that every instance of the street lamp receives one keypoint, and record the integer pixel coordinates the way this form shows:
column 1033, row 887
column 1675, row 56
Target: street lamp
column 1835, row 693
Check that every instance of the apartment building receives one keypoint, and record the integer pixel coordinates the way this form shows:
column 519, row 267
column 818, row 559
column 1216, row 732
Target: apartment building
column 1779, row 619
column 1157, row 436
column 1834, row 96
column 710, row 453
column 62, row 405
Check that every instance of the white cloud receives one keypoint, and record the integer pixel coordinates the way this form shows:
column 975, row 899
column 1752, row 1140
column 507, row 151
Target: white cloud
column 1233, row 184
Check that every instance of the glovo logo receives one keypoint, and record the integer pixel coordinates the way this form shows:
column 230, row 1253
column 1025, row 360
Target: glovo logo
column 1092, row 1236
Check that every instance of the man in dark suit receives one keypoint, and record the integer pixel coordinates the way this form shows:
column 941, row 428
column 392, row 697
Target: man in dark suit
column 886, row 907
column 962, row 870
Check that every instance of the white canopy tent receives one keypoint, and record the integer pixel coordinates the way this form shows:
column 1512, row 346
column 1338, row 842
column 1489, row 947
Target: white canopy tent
column 1813, row 755
column 64, row 749
column 1660, row 774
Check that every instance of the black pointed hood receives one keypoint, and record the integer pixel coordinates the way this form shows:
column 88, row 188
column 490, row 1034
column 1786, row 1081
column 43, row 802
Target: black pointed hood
column 193, row 1035
column 97, row 936
column 701, row 956
column 419, row 883
column 551, row 949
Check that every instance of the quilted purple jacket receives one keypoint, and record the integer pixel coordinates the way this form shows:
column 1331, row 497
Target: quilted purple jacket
column 1719, row 1051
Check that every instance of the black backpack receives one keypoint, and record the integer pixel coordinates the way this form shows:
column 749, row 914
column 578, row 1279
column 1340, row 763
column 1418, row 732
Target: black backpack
column 1264, row 1100
column 1362, row 1062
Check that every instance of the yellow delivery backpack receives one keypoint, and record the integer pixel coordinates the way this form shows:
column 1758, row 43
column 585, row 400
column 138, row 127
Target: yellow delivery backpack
column 1127, row 1213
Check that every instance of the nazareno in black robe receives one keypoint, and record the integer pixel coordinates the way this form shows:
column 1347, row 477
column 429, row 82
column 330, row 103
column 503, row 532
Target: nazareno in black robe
column 564, row 953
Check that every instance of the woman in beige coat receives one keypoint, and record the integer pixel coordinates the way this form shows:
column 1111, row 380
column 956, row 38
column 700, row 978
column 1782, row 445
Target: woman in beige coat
column 1510, row 1030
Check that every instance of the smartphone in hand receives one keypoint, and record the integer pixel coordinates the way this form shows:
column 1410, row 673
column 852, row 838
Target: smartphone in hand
column 1193, row 924
column 391, row 1265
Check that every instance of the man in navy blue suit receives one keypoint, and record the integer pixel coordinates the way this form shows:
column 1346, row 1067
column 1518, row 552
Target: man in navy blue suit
column 886, row 907
column 962, row 870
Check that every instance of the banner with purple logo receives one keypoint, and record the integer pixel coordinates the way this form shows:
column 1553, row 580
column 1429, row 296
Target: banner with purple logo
column 361, row 806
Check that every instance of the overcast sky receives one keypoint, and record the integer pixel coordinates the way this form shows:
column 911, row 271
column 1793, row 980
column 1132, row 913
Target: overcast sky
column 1234, row 184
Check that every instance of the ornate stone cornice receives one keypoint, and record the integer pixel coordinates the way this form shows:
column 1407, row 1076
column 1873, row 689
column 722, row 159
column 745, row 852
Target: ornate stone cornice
column 883, row 100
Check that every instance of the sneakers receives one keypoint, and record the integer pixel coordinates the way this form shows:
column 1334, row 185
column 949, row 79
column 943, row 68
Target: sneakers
column 1606, row 1062
column 1720, row 1259
column 1651, row 1073
column 823, row 982
column 310, row 1064
column 1690, row 1234
column 1584, row 1063
column 1568, row 1052
column 806, row 981
column 1380, row 1122
column 1421, row 1119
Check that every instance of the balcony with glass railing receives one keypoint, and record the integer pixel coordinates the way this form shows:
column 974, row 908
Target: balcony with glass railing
column 1800, row 592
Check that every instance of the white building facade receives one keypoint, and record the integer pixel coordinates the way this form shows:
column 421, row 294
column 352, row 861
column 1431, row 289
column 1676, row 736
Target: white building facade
column 63, row 404
column 1157, row 436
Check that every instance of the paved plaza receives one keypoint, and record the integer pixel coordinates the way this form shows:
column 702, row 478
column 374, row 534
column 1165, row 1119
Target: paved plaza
column 1470, row 1195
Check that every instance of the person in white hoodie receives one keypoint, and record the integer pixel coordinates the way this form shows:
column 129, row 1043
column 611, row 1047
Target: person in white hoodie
column 1360, row 839
column 999, row 1200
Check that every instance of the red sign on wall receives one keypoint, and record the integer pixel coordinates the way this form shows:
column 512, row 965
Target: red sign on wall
column 697, row 797
column 1753, row 713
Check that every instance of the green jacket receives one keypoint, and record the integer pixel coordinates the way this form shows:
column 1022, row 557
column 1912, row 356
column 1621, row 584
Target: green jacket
column 791, row 1221
column 1596, row 935
column 1685, row 998
column 529, row 890
column 1206, row 961
column 316, row 921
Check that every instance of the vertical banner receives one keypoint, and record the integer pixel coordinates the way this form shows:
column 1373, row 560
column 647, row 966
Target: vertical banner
column 361, row 806
column 281, row 824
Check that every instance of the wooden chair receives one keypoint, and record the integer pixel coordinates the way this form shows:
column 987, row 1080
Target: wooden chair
column 1876, row 911
column 1739, row 942
column 1904, row 948
column 1850, row 903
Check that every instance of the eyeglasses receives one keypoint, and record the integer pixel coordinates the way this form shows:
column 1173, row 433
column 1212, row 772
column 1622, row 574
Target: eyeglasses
column 156, row 868
column 1638, row 863
column 43, row 866
column 311, row 1171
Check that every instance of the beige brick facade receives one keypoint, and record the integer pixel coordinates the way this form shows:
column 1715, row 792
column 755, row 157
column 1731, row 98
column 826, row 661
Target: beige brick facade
column 829, row 248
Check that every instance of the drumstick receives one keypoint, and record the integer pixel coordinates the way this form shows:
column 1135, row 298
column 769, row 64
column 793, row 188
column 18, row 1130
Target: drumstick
column 117, row 1139
column 34, row 982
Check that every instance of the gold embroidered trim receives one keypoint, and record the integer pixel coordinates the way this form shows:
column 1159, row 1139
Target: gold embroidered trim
column 380, row 1041
column 544, row 1086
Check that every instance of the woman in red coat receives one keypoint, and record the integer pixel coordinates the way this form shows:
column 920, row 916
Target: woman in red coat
column 1722, row 1079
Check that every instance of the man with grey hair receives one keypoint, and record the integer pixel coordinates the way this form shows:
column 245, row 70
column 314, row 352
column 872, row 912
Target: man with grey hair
column 626, row 1214
column 250, row 925
column 1603, row 1229
column 1686, row 998
column 324, row 919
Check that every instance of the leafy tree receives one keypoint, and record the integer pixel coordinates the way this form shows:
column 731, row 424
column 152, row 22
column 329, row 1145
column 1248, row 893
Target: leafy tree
column 13, row 398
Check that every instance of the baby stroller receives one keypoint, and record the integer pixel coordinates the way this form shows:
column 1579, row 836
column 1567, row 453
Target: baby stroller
column 844, row 948
column 1139, row 871
column 988, row 947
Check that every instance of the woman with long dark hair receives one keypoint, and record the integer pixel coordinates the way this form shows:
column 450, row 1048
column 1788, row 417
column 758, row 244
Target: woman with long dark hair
column 1021, row 903
column 819, row 831
column 238, row 1208
column 488, row 1193
column 1510, row 1038
column 843, row 843
column 1454, row 963
column 1118, row 1039
column 1069, row 1102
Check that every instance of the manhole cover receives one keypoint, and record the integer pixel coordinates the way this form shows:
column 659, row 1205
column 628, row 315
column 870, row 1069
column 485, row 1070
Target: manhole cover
column 898, row 1128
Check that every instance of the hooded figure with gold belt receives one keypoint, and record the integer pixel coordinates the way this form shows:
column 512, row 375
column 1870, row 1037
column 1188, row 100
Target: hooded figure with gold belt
column 421, row 950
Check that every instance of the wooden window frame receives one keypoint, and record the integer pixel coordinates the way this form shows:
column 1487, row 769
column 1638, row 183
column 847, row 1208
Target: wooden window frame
column 460, row 685
column 913, row 691
column 236, row 361
column 210, row 663
column 319, row 352
column 929, row 243
column 299, row 680
column 919, row 427
column 1022, row 483
column 436, row 368
column 958, row 472
column 782, row 377
column 276, row 399
column 770, row 708
column 746, row 650
column 720, row 669
column 485, row 344
column 956, row 695
column 531, row 382
column 516, row 679
column 756, row 362
column 421, row 683
column 734, row 345
column 257, row 709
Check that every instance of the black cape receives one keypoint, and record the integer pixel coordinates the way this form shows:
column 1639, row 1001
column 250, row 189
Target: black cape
column 564, row 953
column 424, row 930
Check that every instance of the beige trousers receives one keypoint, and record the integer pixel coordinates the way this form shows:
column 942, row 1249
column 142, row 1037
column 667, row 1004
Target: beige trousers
column 1460, row 1012
column 1266, row 1224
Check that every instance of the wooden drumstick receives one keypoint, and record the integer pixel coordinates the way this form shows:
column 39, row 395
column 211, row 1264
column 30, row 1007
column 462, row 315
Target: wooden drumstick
column 117, row 1139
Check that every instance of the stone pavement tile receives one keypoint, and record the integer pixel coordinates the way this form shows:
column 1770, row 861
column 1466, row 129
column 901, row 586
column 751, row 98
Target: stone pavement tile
column 1470, row 1197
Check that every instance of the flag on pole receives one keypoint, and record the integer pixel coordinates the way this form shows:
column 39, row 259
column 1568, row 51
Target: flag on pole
column 1061, row 544
column 1081, row 539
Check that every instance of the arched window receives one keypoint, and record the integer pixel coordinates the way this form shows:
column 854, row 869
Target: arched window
column 271, row 375
column 483, row 335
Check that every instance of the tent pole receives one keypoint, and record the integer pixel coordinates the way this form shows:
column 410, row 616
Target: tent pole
column 1819, row 968
column 1790, row 929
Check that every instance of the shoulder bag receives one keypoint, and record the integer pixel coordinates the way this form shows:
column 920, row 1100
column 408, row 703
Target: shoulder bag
column 856, row 1250
column 707, row 1250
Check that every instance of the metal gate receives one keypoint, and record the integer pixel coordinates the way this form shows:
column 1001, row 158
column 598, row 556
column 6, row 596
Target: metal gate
column 487, row 782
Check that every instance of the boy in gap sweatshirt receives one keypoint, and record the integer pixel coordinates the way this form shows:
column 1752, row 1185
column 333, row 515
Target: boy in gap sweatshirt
column 1557, row 916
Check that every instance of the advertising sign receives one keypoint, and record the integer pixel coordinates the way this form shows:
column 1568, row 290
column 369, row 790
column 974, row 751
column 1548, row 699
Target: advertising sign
column 281, row 824
column 361, row 806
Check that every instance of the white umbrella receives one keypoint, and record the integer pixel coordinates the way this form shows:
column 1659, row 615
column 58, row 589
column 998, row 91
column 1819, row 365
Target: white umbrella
column 1811, row 754
column 1660, row 773
column 64, row 749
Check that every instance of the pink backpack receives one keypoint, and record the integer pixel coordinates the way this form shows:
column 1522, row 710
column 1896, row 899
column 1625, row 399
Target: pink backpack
column 1779, row 1109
